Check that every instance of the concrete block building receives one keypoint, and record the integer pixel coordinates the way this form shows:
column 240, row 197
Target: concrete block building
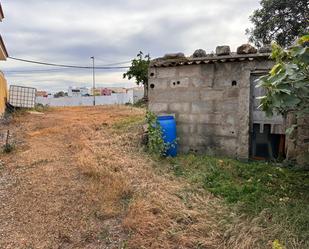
column 213, row 98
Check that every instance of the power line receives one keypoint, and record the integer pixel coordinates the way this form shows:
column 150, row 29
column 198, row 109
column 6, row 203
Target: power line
column 64, row 70
column 116, row 63
column 38, row 70
column 65, row 66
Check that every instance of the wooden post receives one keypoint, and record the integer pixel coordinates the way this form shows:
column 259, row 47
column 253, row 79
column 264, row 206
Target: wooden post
column 7, row 138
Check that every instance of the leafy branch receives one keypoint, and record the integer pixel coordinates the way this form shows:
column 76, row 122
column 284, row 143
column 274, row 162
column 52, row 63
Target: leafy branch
column 156, row 143
column 287, row 84
column 139, row 70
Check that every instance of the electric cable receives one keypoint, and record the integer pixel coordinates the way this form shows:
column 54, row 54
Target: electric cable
column 61, row 70
column 66, row 66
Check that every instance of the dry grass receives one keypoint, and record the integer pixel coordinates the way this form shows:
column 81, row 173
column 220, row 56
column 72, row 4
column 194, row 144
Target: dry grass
column 104, row 186
column 95, row 188
column 163, row 221
column 154, row 212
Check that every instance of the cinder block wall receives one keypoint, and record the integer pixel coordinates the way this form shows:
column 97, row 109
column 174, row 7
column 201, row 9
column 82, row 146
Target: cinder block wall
column 210, row 103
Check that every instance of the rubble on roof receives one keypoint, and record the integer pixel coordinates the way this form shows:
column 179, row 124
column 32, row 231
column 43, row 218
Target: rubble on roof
column 199, row 53
column 174, row 56
column 245, row 52
column 223, row 50
column 246, row 49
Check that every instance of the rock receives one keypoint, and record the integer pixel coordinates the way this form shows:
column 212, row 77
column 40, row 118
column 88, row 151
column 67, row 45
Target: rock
column 223, row 50
column 174, row 56
column 265, row 49
column 246, row 49
column 199, row 53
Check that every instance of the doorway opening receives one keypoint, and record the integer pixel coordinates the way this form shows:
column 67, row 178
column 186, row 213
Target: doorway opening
column 267, row 134
column 266, row 146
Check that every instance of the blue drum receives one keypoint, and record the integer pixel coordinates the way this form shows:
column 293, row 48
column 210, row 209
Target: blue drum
column 168, row 126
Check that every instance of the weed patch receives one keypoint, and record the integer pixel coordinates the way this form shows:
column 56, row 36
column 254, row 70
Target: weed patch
column 8, row 148
column 280, row 194
column 40, row 108
column 128, row 122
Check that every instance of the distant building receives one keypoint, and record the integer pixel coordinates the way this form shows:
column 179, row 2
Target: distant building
column 96, row 91
column 106, row 92
column 78, row 91
column 41, row 94
column 118, row 89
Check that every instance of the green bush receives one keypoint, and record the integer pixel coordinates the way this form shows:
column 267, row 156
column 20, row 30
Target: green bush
column 7, row 148
column 156, row 143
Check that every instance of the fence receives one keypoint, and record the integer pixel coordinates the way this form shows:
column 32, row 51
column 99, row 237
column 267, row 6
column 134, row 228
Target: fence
column 22, row 96
column 117, row 98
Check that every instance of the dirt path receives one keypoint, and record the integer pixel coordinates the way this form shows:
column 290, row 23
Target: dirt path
column 77, row 179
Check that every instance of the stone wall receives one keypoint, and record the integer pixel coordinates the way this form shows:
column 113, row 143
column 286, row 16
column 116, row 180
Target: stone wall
column 210, row 103
column 297, row 143
column 302, row 143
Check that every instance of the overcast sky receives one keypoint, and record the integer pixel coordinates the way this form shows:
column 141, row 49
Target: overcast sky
column 71, row 31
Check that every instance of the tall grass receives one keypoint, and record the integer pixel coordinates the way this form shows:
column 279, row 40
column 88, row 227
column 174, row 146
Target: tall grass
column 273, row 196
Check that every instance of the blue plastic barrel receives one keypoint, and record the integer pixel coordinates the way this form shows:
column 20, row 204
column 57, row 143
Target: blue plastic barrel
column 168, row 126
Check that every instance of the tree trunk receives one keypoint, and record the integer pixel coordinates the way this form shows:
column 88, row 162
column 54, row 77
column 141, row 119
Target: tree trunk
column 146, row 91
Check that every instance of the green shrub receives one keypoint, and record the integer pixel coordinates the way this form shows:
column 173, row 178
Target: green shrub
column 252, row 189
column 7, row 148
column 156, row 143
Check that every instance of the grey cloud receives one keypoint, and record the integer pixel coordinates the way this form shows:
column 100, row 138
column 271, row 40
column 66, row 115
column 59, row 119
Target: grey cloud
column 73, row 30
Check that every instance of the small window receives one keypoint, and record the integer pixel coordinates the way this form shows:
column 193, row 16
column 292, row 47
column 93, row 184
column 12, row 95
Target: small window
column 234, row 83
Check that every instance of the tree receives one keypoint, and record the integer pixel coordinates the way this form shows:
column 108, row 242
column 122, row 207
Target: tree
column 282, row 21
column 139, row 71
column 59, row 94
column 287, row 85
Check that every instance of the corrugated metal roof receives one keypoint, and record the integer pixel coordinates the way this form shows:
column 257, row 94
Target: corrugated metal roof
column 181, row 61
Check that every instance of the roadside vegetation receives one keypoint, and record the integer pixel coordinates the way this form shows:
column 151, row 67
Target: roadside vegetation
column 128, row 122
column 273, row 197
column 263, row 196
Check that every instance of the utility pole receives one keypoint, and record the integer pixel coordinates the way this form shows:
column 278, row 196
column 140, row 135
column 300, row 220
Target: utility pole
column 93, row 80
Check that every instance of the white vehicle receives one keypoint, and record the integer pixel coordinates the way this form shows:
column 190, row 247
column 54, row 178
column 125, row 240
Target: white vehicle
column 21, row 96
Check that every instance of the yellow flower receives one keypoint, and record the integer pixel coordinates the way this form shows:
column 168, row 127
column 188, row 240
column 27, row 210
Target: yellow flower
column 277, row 245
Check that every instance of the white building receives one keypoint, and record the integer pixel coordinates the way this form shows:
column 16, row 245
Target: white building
column 78, row 91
